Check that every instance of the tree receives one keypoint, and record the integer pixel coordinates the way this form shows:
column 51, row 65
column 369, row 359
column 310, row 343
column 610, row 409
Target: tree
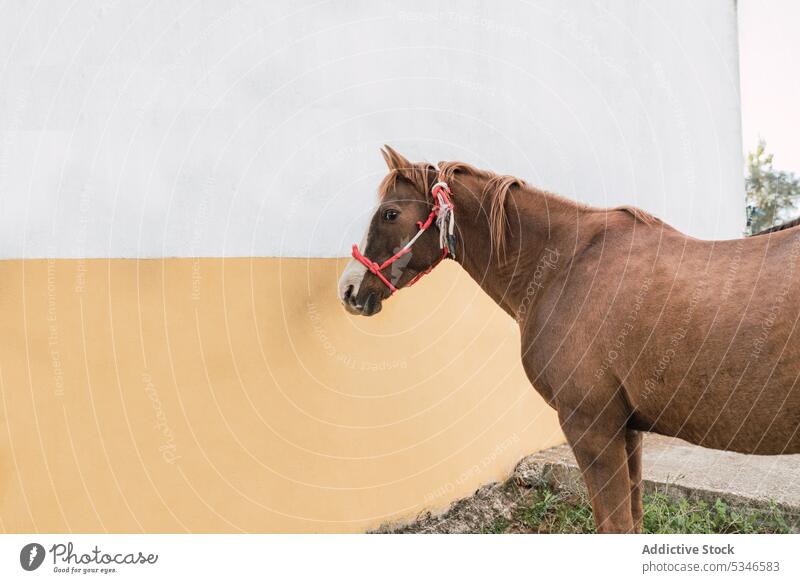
column 771, row 194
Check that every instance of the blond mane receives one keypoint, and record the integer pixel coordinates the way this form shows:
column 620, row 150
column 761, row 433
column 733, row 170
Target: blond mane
column 495, row 191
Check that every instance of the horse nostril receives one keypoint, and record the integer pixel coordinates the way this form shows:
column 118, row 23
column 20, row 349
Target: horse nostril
column 348, row 292
column 370, row 305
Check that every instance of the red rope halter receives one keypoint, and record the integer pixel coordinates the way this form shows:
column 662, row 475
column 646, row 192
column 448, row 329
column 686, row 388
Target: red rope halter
column 442, row 207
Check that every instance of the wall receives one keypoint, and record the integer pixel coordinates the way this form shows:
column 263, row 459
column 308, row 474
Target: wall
column 211, row 395
column 241, row 129
column 145, row 390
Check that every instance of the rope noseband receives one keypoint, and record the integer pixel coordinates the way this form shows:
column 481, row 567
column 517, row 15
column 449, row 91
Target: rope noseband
column 442, row 212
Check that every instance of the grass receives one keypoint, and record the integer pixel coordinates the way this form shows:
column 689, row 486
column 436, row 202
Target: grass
column 663, row 515
column 541, row 510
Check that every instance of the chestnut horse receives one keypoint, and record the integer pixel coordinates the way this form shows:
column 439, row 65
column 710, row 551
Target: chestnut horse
column 627, row 325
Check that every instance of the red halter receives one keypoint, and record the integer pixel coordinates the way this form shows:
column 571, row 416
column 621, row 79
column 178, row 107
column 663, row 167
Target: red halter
column 442, row 211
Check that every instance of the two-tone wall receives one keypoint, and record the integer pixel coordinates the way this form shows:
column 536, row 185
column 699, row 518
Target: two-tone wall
column 179, row 183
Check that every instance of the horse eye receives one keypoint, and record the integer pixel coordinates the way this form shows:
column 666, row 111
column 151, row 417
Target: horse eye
column 390, row 215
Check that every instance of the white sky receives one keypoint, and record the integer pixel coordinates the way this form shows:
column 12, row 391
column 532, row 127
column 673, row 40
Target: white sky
column 769, row 56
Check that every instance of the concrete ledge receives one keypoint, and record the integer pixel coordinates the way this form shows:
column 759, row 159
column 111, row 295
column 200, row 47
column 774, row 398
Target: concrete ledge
column 671, row 466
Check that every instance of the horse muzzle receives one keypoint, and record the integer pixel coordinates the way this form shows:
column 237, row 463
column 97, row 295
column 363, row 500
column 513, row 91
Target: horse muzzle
column 358, row 301
column 371, row 304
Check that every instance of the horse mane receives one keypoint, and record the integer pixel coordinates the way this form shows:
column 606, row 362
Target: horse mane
column 495, row 190
column 638, row 214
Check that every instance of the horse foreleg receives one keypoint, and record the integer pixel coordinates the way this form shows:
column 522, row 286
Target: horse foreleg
column 633, row 447
column 603, row 460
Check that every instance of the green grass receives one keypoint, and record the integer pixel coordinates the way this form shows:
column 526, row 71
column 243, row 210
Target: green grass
column 548, row 511
column 662, row 515
column 499, row 526
column 541, row 510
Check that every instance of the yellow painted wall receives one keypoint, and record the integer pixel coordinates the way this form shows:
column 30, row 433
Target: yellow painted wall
column 236, row 395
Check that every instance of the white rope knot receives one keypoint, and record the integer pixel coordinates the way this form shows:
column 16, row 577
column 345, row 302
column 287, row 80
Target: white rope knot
column 445, row 218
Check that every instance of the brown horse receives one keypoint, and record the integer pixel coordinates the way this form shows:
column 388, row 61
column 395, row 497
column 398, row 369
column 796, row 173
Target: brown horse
column 627, row 325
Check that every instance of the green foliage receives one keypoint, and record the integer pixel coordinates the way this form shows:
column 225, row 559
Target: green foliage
column 555, row 513
column 542, row 510
column 771, row 194
column 667, row 516
column 499, row 526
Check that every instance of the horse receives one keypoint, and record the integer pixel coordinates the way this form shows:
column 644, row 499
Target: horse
column 627, row 325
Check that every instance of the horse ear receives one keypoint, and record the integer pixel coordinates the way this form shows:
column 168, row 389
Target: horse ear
column 394, row 160
column 386, row 157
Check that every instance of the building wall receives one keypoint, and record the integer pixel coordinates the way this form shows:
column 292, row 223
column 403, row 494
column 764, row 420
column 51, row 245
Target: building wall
column 211, row 395
column 144, row 389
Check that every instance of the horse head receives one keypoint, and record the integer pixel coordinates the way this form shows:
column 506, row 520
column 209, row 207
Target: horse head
column 409, row 233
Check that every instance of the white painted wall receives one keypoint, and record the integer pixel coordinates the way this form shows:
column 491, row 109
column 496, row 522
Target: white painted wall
column 131, row 129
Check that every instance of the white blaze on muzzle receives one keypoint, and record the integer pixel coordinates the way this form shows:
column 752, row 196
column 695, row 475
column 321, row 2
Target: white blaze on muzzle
column 352, row 275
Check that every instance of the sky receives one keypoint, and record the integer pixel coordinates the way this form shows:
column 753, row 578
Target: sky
column 769, row 57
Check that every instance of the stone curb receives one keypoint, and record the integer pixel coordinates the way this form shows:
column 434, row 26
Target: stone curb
column 672, row 467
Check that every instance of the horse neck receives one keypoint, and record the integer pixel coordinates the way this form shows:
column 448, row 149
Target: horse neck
column 540, row 240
